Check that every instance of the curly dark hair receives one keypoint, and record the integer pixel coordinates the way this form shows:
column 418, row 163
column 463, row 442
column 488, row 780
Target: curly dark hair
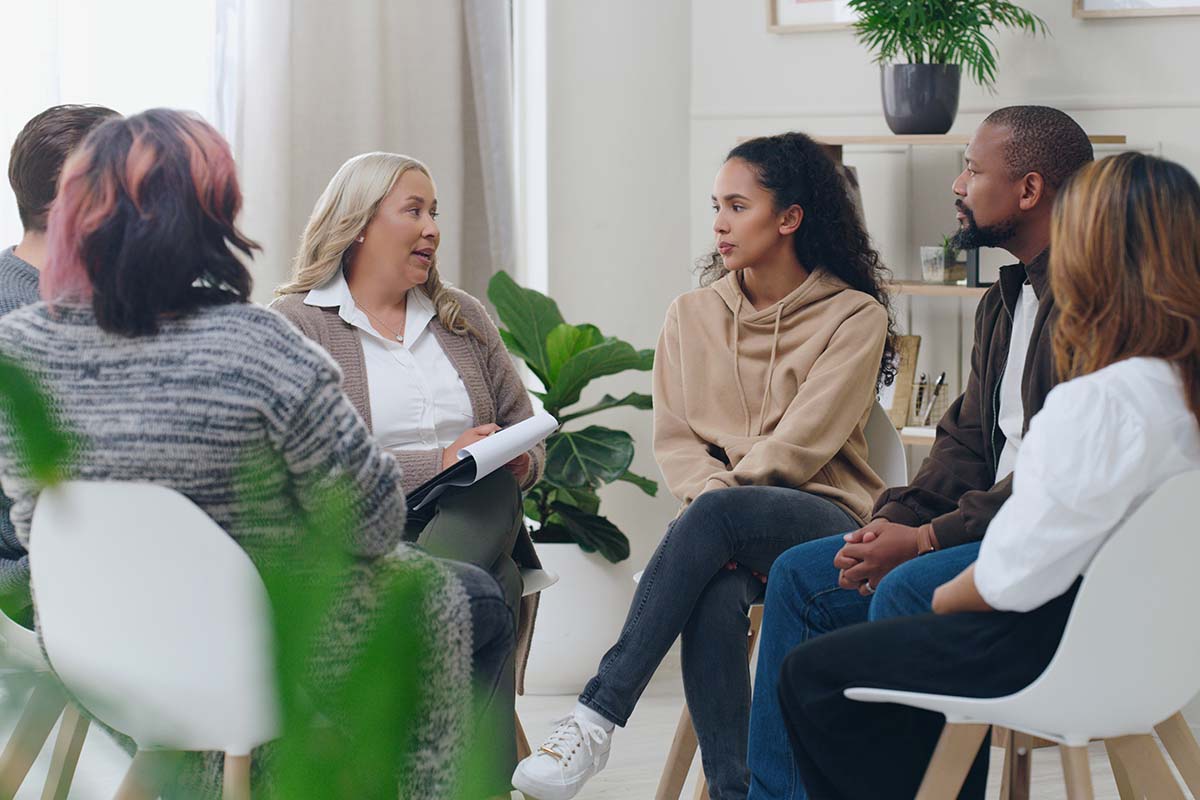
column 798, row 171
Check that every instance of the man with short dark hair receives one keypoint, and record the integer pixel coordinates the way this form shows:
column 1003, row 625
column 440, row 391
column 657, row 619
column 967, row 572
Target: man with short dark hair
column 38, row 155
column 924, row 534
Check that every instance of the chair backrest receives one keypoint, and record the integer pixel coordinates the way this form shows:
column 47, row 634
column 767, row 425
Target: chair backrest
column 885, row 451
column 1130, row 654
column 536, row 581
column 19, row 648
column 153, row 617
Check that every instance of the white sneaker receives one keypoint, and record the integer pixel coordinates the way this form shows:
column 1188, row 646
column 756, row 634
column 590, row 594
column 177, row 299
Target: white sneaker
column 574, row 752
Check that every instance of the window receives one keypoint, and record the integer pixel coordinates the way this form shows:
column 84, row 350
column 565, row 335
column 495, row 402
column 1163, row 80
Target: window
column 529, row 119
column 129, row 55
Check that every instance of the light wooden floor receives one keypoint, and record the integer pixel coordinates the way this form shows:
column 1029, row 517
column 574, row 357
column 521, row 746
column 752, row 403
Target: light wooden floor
column 638, row 753
column 641, row 747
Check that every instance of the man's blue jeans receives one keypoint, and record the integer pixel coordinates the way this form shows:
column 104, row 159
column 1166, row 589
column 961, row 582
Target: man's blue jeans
column 804, row 601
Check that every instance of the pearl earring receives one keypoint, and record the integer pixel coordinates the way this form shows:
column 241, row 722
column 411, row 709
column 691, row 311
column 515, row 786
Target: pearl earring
column 360, row 239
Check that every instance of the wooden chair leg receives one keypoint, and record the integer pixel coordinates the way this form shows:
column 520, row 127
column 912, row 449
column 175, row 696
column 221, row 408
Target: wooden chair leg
column 71, row 733
column 952, row 759
column 237, row 777
column 1177, row 737
column 1147, row 769
column 45, row 703
column 1077, row 772
column 148, row 774
column 523, row 748
column 1018, row 753
column 1120, row 774
column 756, row 615
column 679, row 759
column 683, row 746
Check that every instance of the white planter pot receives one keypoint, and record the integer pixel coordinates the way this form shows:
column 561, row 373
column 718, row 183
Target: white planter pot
column 578, row 619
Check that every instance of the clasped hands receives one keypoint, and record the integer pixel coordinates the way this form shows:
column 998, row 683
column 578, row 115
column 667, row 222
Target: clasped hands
column 875, row 549
column 871, row 552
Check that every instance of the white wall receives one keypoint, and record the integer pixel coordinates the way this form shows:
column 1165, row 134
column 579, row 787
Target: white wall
column 618, row 195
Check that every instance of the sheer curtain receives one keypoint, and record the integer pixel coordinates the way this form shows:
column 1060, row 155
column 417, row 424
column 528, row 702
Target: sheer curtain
column 305, row 84
column 129, row 55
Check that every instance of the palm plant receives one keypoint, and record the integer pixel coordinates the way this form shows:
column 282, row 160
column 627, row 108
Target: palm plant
column 941, row 31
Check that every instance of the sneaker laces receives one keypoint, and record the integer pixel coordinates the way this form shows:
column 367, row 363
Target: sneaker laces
column 571, row 732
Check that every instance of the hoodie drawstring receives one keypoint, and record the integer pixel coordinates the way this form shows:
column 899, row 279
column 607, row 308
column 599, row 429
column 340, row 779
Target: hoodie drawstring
column 737, row 374
column 762, row 411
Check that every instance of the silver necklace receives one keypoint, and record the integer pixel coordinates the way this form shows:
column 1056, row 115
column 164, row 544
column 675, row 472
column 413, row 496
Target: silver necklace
column 390, row 329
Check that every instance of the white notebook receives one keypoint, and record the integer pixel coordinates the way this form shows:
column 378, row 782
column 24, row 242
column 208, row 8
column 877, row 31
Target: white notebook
column 484, row 457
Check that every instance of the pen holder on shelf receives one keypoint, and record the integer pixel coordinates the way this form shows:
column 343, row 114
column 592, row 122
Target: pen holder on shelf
column 940, row 404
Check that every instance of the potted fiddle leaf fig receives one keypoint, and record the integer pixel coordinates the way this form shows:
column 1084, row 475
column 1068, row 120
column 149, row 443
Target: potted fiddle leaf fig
column 579, row 460
column 923, row 47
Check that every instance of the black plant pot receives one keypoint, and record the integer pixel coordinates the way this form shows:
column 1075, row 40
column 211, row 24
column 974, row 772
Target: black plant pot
column 920, row 98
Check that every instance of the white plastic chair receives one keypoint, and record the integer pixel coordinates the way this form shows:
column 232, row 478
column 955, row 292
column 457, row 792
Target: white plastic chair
column 535, row 581
column 21, row 654
column 1128, row 660
column 885, row 454
column 158, row 623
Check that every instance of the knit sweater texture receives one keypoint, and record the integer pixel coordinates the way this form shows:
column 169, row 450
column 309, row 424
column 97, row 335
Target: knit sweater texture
column 189, row 408
column 18, row 287
column 493, row 385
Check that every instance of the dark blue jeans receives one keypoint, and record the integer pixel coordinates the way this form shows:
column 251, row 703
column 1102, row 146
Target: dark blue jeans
column 687, row 591
column 804, row 601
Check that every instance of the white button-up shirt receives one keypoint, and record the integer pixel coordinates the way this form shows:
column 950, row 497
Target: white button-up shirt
column 1099, row 447
column 1012, row 406
column 418, row 400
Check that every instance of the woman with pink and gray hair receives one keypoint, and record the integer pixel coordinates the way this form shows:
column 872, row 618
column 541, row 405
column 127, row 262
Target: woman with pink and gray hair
column 165, row 372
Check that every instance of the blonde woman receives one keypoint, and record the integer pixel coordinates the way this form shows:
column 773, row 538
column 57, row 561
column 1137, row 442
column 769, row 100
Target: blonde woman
column 421, row 361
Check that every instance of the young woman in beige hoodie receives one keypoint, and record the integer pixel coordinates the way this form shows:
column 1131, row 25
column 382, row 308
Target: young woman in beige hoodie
column 763, row 382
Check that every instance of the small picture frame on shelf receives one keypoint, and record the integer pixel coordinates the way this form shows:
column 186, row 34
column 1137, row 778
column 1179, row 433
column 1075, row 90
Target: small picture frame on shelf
column 1102, row 9
column 897, row 398
column 806, row 16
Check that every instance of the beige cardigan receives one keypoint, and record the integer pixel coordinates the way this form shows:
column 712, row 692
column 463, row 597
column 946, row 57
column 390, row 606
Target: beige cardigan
column 496, row 392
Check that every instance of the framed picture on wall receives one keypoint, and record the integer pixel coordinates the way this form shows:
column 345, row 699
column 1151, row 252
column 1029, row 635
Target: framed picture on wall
column 1133, row 8
column 800, row 16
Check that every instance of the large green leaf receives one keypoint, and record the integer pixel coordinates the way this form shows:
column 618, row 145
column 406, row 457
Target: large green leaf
column 42, row 444
column 587, row 458
column 566, row 340
column 529, row 316
column 634, row 399
column 645, row 484
column 583, row 499
column 594, row 532
column 607, row 358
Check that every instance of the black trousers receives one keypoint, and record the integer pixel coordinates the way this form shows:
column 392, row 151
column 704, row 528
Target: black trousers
column 847, row 750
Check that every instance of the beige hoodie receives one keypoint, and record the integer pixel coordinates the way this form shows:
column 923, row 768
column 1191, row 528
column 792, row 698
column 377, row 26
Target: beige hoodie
column 777, row 397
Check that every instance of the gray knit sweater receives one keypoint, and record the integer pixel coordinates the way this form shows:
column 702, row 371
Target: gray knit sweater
column 18, row 287
column 187, row 408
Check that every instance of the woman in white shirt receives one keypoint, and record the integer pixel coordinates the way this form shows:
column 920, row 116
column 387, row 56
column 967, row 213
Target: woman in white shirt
column 421, row 362
column 1125, row 270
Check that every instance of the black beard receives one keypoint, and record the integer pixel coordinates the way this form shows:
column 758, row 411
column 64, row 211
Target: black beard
column 971, row 236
